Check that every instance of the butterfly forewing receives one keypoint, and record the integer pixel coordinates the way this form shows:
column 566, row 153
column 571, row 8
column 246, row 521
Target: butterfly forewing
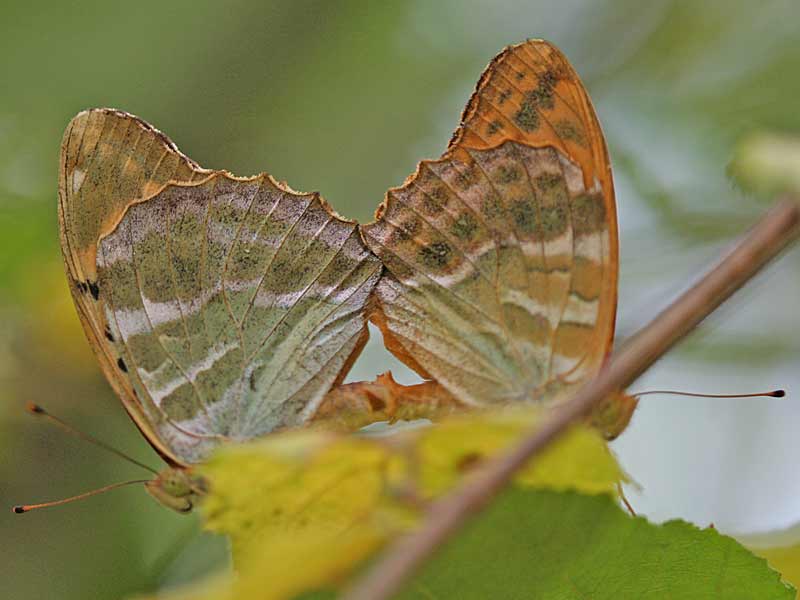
column 109, row 160
column 501, row 256
column 224, row 308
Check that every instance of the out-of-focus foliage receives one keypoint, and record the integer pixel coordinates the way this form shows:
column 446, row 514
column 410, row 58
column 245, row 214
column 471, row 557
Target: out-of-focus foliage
column 305, row 508
column 346, row 97
column 785, row 560
column 768, row 164
column 781, row 548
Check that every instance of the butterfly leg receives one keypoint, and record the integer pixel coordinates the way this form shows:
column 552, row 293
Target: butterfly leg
column 355, row 405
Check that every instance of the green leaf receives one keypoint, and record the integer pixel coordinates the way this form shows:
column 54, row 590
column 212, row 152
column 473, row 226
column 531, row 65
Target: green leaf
column 544, row 544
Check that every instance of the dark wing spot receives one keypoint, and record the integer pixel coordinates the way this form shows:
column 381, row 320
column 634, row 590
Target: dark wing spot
column 548, row 79
column 108, row 334
column 492, row 207
column 568, row 130
column 406, row 230
column 527, row 117
column 554, row 220
column 541, row 96
column 466, row 178
column 464, row 226
column 524, row 213
column 507, row 174
column 122, row 366
column 433, row 201
column 439, row 194
column 413, row 225
column 435, row 255
column 399, row 235
column 94, row 289
column 547, row 181
column 588, row 214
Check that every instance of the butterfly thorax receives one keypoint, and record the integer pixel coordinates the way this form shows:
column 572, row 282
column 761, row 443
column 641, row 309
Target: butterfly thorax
column 177, row 488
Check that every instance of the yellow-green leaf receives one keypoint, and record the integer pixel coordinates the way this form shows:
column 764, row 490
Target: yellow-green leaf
column 579, row 460
column 303, row 509
column 785, row 560
column 781, row 549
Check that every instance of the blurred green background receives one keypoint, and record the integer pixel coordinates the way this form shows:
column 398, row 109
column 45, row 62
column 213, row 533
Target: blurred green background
column 345, row 97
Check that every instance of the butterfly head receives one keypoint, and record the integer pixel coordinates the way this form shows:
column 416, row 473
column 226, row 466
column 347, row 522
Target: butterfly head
column 613, row 414
column 177, row 488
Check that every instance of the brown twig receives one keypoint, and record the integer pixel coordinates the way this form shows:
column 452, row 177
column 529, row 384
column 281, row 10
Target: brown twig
column 765, row 241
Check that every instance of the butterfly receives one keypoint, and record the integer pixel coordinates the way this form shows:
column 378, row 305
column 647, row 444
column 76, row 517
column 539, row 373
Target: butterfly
column 220, row 308
column 223, row 308
column 501, row 256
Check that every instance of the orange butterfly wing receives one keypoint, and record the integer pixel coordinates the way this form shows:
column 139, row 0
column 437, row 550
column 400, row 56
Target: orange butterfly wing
column 501, row 256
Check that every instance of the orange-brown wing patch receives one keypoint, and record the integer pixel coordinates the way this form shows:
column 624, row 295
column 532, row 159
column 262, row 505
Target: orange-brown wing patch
column 501, row 256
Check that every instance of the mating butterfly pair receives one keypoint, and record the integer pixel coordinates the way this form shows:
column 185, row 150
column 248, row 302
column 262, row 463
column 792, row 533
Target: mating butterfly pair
column 223, row 308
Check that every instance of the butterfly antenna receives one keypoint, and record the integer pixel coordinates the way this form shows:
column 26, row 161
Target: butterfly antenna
column 23, row 508
column 622, row 497
column 35, row 409
column 772, row 394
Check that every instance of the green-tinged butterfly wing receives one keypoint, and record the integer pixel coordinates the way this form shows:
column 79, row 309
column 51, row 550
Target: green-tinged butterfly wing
column 501, row 256
column 225, row 308
column 234, row 305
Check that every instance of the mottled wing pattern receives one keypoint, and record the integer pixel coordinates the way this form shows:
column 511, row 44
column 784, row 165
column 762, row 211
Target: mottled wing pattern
column 222, row 308
column 501, row 256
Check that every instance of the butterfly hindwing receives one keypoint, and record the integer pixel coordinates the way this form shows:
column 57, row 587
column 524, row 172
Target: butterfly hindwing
column 224, row 307
column 501, row 256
